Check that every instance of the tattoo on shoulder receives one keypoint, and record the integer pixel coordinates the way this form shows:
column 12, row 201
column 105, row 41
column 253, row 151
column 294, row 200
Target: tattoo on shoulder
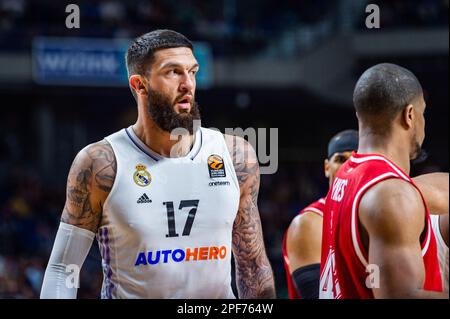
column 245, row 163
column 254, row 276
column 90, row 180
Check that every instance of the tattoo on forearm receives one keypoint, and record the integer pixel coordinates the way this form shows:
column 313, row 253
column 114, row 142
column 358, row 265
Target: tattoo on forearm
column 254, row 276
column 90, row 180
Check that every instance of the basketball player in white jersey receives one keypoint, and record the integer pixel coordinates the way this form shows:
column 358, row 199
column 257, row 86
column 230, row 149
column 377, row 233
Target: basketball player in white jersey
column 167, row 213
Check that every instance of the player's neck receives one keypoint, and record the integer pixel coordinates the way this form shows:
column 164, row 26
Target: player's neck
column 392, row 148
column 159, row 140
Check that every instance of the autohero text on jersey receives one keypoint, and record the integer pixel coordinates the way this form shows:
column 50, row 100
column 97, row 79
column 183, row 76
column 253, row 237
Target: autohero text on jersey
column 180, row 255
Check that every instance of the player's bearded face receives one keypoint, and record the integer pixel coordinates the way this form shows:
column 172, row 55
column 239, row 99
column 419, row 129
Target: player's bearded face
column 162, row 111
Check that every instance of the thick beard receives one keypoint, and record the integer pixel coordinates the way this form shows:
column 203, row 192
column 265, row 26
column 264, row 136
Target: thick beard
column 162, row 112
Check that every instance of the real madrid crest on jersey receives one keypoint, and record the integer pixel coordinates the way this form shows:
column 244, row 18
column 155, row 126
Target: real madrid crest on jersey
column 216, row 166
column 141, row 176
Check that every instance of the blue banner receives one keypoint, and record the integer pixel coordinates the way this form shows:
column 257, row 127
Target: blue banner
column 96, row 62
column 79, row 61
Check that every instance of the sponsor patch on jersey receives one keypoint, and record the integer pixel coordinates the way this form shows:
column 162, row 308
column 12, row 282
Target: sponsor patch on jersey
column 216, row 166
column 181, row 255
column 224, row 183
column 142, row 177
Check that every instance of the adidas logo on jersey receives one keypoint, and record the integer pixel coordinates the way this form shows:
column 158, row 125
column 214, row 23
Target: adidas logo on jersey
column 144, row 199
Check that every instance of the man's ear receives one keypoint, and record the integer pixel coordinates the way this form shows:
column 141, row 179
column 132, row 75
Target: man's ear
column 408, row 116
column 136, row 82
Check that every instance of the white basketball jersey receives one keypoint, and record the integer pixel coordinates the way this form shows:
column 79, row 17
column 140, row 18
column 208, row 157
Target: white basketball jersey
column 167, row 223
column 442, row 250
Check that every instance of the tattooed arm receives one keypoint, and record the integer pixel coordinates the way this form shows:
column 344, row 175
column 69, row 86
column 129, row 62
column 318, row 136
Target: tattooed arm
column 89, row 183
column 254, row 277
column 90, row 180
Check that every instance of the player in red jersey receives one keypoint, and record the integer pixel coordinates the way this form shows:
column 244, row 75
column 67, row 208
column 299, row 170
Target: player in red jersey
column 302, row 241
column 377, row 236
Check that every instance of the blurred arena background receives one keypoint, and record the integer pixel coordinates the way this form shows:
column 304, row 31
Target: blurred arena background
column 286, row 64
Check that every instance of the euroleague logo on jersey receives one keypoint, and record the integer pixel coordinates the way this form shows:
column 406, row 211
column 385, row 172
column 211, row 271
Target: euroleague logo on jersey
column 141, row 176
column 216, row 166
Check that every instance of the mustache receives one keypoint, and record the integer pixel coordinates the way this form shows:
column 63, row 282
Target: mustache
column 179, row 97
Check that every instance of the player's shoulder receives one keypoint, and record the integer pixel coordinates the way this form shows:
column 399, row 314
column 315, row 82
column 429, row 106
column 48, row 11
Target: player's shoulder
column 392, row 189
column 240, row 150
column 99, row 148
column 390, row 200
column 97, row 151
column 304, row 225
column 236, row 141
column 96, row 157
column 432, row 180
column 309, row 217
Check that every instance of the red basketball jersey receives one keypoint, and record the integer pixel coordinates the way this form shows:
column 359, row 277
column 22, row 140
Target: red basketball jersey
column 317, row 208
column 344, row 259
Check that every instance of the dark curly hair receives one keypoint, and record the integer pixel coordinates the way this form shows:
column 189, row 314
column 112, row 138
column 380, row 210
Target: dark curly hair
column 140, row 53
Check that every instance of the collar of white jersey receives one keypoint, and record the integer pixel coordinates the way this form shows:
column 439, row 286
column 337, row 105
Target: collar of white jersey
column 155, row 156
